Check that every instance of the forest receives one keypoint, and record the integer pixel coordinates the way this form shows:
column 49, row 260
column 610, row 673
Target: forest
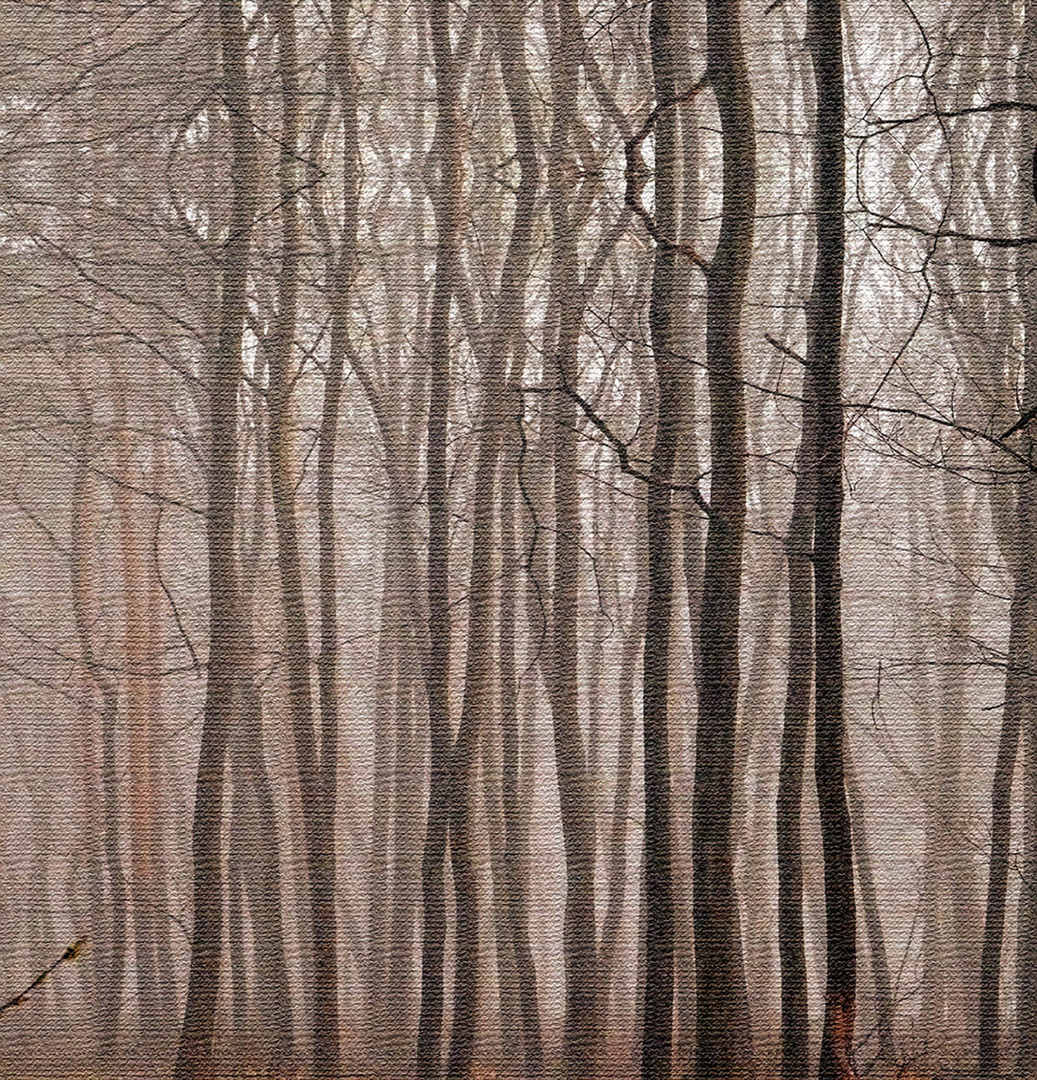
column 519, row 539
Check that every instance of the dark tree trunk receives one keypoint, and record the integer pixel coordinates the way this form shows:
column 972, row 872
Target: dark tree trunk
column 449, row 214
column 511, row 35
column 406, row 879
column 516, row 819
column 723, row 1036
column 824, row 358
column 341, row 278
column 1026, row 581
column 194, row 1058
column 795, row 1021
column 1000, row 838
column 664, row 322
column 256, row 860
column 617, row 873
column 255, row 849
column 1019, row 719
column 309, row 751
column 692, row 550
column 579, row 934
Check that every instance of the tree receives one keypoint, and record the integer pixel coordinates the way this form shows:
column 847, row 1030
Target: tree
column 723, row 1038
column 657, row 1040
column 223, row 690
column 824, row 359
column 443, row 791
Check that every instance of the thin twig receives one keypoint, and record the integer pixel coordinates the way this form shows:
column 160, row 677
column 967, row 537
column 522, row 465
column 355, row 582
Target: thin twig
column 70, row 953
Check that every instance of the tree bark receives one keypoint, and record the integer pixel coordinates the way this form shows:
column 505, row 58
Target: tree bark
column 309, row 750
column 1000, row 836
column 723, row 1036
column 824, row 358
column 194, row 1057
column 137, row 660
column 108, row 920
column 664, row 322
column 511, row 317
column 579, row 934
column 342, row 274
column 884, row 1005
column 449, row 214
column 795, row 1021
column 1026, row 581
column 255, row 848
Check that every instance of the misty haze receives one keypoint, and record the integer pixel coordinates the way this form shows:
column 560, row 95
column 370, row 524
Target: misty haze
column 519, row 539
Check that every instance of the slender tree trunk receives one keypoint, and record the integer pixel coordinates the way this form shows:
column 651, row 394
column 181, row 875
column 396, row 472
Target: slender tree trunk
column 108, row 915
column 1000, row 837
column 618, row 876
column 342, row 276
column 475, row 710
column 378, row 909
column 449, row 213
column 1026, row 581
column 723, row 1036
column 511, row 39
column 516, row 818
column 310, row 751
column 194, row 1058
column 159, row 855
column 255, row 855
column 579, row 935
column 664, row 322
column 884, row 1005
column 824, row 355
column 137, row 660
column 795, row 1021
column 258, row 863
column 692, row 549
column 407, row 838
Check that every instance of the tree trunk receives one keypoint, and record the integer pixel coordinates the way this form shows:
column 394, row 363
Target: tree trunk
column 449, row 214
column 511, row 39
column 280, row 446
column 406, row 878
column 692, row 550
column 579, row 935
column 159, row 856
column 795, row 1021
column 723, row 1036
column 617, row 873
column 1026, row 581
column 194, row 1057
column 108, row 917
column 256, row 861
column 824, row 357
column 664, row 322
column 516, row 816
column 137, row 660
column 1001, row 828
column 884, row 1005
column 342, row 274
column 378, row 908
column 255, row 847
